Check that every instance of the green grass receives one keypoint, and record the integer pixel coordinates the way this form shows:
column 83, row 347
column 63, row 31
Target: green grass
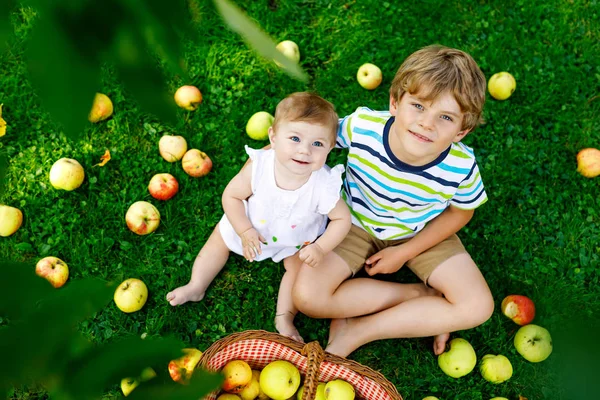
column 538, row 234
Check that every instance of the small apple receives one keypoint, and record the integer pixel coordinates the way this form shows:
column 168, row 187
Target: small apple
column 181, row 369
column 102, row 108
column 588, row 162
column 172, row 148
column 502, row 85
column 131, row 295
column 369, row 76
column 163, row 186
column 188, row 97
column 196, row 163
column 518, row 308
column 258, row 125
column 430, row 398
column 142, row 218
column 459, row 360
column 280, row 379
column 10, row 220
column 237, row 375
column 495, row 369
column 289, row 49
column 251, row 391
column 66, row 174
column 228, row 396
column 53, row 269
column 319, row 395
column 128, row 384
column 499, row 398
column 533, row 342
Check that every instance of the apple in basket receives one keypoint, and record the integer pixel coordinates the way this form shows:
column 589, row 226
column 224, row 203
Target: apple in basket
column 320, row 395
column 237, row 375
column 339, row 389
column 252, row 390
column 280, row 379
column 181, row 369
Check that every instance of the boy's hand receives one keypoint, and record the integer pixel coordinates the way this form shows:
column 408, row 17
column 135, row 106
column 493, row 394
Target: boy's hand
column 251, row 241
column 386, row 261
column 312, row 254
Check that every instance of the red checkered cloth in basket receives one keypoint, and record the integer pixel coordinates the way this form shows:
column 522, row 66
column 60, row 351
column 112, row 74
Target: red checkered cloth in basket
column 258, row 353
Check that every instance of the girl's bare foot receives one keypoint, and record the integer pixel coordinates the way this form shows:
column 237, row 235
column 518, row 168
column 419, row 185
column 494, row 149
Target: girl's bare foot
column 439, row 343
column 183, row 294
column 284, row 323
column 340, row 337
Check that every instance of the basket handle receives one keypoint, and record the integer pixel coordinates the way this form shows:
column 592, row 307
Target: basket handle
column 314, row 355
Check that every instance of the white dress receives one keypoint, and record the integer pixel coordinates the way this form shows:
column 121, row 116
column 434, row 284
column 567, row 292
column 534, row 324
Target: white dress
column 287, row 219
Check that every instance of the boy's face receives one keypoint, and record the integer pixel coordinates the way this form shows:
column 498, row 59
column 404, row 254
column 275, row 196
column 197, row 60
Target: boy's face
column 423, row 129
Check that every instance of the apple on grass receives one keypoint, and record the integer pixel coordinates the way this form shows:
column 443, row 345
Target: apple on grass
column 289, row 49
column 142, row 218
column 518, row 308
column 11, row 219
column 237, row 375
column 131, row 295
column 459, row 360
column 53, row 269
column 588, row 162
column 196, row 163
column 102, row 108
column 430, row 398
column 163, row 186
column 533, row 342
column 339, row 389
column 188, row 97
column 369, row 76
column 172, row 147
column 258, row 125
column 66, row 174
column 502, row 85
column 495, row 369
column 280, row 379
column 182, row 368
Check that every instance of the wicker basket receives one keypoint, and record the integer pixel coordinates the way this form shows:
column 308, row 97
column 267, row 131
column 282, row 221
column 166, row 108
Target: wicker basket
column 258, row 348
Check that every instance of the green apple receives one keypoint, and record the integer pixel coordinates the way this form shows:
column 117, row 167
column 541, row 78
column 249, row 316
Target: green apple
column 320, row 395
column 279, row 380
column 495, row 369
column 258, row 125
column 131, row 295
column 533, row 342
column 128, row 384
column 459, row 360
column 102, row 108
column 10, row 220
column 339, row 389
column 502, row 85
column 369, row 76
column 289, row 49
column 66, row 174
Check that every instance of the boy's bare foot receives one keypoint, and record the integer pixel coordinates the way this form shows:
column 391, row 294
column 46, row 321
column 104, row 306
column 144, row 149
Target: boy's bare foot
column 439, row 343
column 339, row 342
column 183, row 294
column 284, row 324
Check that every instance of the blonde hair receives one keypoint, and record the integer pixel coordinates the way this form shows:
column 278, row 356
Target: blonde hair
column 307, row 107
column 434, row 70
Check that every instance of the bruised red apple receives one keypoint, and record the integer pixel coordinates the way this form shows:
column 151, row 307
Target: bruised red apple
column 188, row 97
column 181, row 369
column 102, row 108
column 588, row 162
column 142, row 218
column 196, row 163
column 163, row 186
column 518, row 308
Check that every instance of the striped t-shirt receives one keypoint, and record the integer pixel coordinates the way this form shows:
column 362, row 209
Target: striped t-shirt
column 394, row 200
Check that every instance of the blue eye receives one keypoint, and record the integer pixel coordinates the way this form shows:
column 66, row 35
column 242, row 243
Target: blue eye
column 295, row 138
column 318, row 144
column 418, row 106
column 447, row 118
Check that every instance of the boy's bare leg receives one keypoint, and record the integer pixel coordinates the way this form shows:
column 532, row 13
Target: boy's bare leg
column 467, row 304
column 209, row 262
column 286, row 311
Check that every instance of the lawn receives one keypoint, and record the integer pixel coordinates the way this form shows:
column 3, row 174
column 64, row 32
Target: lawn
column 538, row 235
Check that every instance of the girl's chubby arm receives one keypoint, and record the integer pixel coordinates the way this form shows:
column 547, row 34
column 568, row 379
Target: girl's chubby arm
column 337, row 229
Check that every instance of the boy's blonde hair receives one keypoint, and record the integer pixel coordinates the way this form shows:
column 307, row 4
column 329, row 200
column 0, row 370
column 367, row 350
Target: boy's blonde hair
column 434, row 70
column 307, row 107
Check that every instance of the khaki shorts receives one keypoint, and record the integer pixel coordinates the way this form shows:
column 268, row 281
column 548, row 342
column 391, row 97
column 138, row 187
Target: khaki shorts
column 360, row 245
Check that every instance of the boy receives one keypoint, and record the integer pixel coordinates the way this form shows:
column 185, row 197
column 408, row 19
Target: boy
column 410, row 185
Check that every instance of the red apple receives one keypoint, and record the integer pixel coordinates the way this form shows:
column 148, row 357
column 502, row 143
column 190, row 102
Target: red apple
column 196, row 163
column 163, row 186
column 142, row 218
column 181, row 369
column 53, row 269
column 188, row 97
column 518, row 308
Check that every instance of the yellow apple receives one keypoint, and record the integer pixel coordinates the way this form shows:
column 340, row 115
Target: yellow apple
column 142, row 218
column 53, row 269
column 10, row 220
column 172, row 147
column 502, row 85
column 369, row 76
column 280, row 379
column 128, row 384
column 237, row 375
column 258, row 125
column 499, row 398
column 228, row 396
column 495, row 369
column 251, row 391
column 430, row 398
column 588, row 162
column 339, row 389
column 181, row 369
column 66, row 174
column 188, row 97
column 102, row 108
column 319, row 395
column 196, row 163
column 533, row 342
column 131, row 295
column 459, row 360
column 289, row 49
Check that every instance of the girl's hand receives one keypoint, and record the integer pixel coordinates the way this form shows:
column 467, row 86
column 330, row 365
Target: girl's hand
column 251, row 241
column 312, row 254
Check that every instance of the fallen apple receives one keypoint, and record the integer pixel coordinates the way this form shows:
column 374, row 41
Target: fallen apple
column 495, row 369
column 258, row 125
column 237, row 375
column 588, row 162
column 502, row 85
column 131, row 295
column 128, row 384
column 430, row 398
column 518, row 308
column 319, row 395
column 102, row 108
column 339, row 389
column 142, row 218
column 182, row 368
column 188, row 97
column 53, row 269
column 289, row 49
column 252, row 389
column 172, row 148
column 66, row 174
column 280, row 379
column 11, row 219
column 459, row 360
column 163, row 186
column 369, row 76
column 499, row 398
column 533, row 342
column 196, row 163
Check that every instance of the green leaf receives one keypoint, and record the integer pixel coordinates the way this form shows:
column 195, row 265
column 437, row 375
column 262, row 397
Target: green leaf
column 201, row 384
column 3, row 170
column 6, row 28
column 237, row 21
column 21, row 289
